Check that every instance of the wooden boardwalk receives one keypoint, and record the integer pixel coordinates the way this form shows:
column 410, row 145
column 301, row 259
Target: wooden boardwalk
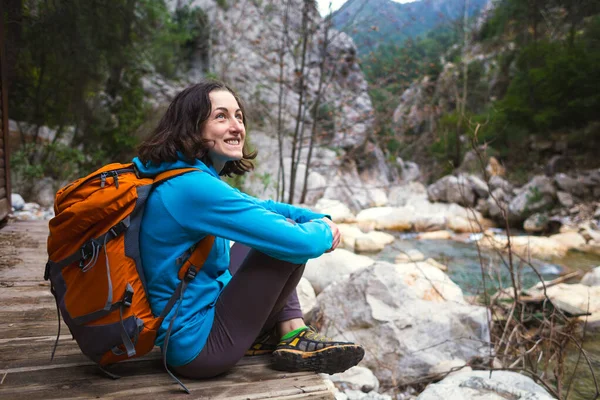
column 28, row 326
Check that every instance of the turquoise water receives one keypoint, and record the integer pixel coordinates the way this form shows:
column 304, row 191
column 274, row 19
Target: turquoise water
column 464, row 263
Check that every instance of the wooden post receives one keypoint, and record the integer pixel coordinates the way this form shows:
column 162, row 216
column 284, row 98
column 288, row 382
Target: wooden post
column 5, row 204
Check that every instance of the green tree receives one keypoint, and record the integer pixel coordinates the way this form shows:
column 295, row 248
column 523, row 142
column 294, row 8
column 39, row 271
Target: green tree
column 77, row 66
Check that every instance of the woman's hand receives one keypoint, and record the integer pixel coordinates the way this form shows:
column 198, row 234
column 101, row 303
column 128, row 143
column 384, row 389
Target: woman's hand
column 337, row 236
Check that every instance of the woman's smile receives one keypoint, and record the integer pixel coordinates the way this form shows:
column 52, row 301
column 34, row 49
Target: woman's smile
column 224, row 129
column 232, row 142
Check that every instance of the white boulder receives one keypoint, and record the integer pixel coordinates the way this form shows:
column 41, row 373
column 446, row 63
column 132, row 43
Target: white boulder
column 424, row 216
column 409, row 193
column 571, row 240
column 585, row 298
column 592, row 278
column 365, row 244
column 390, row 218
column 476, row 385
column 409, row 318
column 17, row 201
column 356, row 378
column 526, row 246
column 354, row 239
column 410, row 255
column 537, row 195
column 435, row 235
column 351, row 394
column 339, row 212
column 450, row 367
column 436, row 264
column 334, row 266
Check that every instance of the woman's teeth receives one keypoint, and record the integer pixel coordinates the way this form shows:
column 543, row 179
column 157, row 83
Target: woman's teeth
column 232, row 141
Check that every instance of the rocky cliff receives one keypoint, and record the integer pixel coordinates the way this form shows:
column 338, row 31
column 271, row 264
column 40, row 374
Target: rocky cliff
column 246, row 41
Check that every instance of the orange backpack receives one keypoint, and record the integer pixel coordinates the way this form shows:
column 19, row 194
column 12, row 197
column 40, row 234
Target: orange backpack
column 95, row 268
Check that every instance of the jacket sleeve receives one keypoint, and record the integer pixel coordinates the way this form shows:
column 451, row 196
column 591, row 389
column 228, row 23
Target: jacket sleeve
column 203, row 204
column 297, row 214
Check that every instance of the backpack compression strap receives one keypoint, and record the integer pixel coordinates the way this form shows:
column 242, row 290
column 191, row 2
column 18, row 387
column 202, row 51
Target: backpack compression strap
column 163, row 176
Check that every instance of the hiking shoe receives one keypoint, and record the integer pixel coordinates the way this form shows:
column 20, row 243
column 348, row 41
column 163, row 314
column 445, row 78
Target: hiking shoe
column 264, row 344
column 308, row 350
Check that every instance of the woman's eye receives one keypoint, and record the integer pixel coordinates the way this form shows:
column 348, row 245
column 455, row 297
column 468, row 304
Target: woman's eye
column 240, row 117
column 220, row 116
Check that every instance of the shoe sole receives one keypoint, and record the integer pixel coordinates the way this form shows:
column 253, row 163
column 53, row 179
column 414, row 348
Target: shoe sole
column 329, row 360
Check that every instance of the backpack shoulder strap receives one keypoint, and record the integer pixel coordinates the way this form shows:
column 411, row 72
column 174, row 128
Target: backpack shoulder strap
column 189, row 269
column 163, row 176
column 198, row 257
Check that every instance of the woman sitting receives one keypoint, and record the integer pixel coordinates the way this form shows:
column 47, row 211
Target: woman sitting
column 243, row 299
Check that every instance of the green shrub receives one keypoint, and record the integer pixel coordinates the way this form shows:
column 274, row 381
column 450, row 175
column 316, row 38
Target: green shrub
column 31, row 163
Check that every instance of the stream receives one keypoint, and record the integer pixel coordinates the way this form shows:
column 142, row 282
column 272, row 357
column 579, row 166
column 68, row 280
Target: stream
column 464, row 268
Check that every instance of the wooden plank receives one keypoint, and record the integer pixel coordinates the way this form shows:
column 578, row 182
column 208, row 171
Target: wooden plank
column 21, row 314
column 23, row 251
column 34, row 238
column 28, row 311
column 146, row 376
column 37, row 350
column 160, row 385
column 32, row 294
column 25, row 282
column 31, row 328
column 21, row 305
column 320, row 395
column 27, row 226
column 150, row 387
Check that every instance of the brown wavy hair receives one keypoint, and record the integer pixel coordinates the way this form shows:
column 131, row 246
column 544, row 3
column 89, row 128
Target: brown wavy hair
column 179, row 130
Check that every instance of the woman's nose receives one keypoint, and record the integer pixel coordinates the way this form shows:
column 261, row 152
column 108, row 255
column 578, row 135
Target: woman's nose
column 237, row 126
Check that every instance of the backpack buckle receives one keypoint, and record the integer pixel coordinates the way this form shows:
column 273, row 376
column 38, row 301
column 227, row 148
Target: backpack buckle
column 89, row 249
column 190, row 274
column 119, row 228
column 128, row 296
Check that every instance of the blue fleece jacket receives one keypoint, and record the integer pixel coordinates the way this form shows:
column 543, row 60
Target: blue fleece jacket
column 182, row 211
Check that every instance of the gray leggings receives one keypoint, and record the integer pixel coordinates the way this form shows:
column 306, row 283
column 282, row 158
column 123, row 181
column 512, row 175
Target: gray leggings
column 260, row 294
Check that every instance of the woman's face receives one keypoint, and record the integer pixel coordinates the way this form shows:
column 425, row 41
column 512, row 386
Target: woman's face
column 225, row 129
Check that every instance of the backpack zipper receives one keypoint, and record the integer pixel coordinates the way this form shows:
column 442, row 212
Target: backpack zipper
column 102, row 179
column 113, row 173
column 115, row 176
